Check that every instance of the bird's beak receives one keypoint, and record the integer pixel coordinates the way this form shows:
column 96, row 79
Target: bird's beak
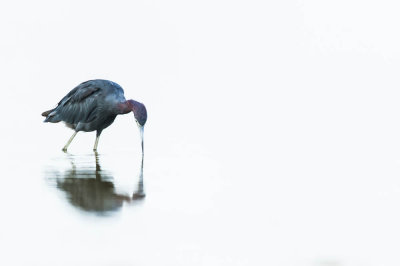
column 141, row 129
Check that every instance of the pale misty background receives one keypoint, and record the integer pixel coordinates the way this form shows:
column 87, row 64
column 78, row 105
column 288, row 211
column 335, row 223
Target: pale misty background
column 273, row 133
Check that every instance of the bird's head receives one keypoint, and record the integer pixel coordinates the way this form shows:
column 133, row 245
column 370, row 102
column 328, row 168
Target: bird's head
column 139, row 111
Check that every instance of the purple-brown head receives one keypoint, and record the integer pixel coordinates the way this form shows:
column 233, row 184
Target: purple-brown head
column 139, row 110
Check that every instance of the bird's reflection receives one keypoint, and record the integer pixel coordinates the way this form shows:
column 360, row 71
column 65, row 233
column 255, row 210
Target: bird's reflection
column 92, row 189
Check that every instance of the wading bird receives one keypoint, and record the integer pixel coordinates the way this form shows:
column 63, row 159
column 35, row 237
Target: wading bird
column 93, row 105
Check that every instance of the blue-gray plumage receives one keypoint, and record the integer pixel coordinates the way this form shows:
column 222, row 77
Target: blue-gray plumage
column 93, row 105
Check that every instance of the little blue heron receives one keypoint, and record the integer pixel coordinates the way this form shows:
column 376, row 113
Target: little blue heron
column 93, row 105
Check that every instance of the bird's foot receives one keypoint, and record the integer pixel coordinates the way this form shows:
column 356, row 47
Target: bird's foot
column 64, row 149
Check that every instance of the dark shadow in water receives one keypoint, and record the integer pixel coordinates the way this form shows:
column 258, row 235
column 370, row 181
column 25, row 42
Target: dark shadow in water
column 91, row 189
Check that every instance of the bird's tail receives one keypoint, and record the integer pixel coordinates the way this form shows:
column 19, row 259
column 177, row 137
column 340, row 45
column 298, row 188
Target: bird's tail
column 50, row 116
column 46, row 114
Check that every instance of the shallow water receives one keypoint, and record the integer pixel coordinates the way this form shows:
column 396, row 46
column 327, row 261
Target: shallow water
column 195, row 203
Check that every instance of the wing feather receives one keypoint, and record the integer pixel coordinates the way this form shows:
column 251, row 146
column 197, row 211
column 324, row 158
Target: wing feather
column 79, row 105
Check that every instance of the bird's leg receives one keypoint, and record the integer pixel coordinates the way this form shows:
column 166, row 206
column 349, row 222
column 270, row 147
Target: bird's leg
column 97, row 140
column 69, row 141
column 96, row 143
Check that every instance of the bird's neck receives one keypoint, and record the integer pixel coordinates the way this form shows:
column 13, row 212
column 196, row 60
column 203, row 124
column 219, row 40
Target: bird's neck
column 124, row 107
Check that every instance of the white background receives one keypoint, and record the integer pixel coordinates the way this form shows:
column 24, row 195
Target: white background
column 272, row 138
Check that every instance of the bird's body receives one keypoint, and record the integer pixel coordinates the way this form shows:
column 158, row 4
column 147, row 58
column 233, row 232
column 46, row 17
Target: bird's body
column 94, row 105
column 90, row 106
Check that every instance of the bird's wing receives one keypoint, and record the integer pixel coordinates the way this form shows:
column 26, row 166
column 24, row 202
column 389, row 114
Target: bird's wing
column 80, row 92
column 79, row 105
